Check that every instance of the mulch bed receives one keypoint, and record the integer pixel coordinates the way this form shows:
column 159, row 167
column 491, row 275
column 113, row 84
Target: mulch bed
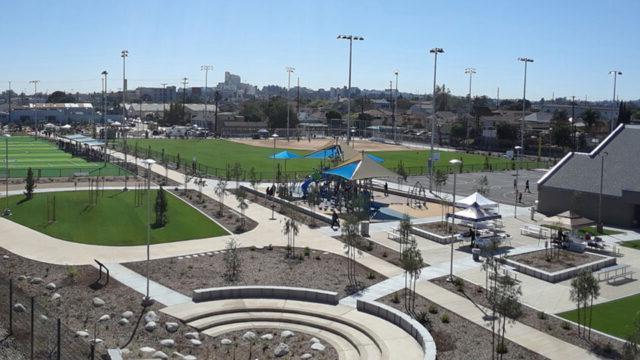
column 230, row 218
column 440, row 228
column 285, row 210
column 299, row 344
column 319, row 270
column 566, row 260
column 553, row 326
column 459, row 339
column 372, row 248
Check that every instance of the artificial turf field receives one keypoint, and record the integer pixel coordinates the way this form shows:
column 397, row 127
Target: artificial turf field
column 613, row 317
column 114, row 221
column 46, row 160
column 216, row 153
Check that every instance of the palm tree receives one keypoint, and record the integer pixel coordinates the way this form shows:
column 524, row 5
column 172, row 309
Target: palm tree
column 404, row 231
column 291, row 229
column 220, row 191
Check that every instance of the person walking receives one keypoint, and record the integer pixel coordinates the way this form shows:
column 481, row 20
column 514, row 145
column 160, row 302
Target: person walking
column 334, row 220
column 515, row 184
column 526, row 186
column 520, row 198
column 386, row 189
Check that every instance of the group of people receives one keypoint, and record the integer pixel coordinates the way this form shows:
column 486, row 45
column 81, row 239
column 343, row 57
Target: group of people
column 271, row 190
column 527, row 189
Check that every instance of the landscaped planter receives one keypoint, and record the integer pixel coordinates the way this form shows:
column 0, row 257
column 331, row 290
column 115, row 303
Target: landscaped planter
column 561, row 275
column 433, row 236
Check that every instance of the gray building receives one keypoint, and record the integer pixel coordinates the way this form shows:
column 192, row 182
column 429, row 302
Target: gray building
column 55, row 113
column 574, row 183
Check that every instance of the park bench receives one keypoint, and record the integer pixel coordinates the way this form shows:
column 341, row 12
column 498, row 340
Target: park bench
column 535, row 231
column 394, row 235
column 615, row 272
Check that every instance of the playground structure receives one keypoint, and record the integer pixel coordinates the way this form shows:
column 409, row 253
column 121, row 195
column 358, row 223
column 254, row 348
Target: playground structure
column 417, row 196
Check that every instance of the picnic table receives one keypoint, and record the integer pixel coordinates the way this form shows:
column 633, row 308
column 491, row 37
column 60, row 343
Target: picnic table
column 615, row 272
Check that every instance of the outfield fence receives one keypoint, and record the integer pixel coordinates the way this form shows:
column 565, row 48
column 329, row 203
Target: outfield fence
column 237, row 172
column 37, row 333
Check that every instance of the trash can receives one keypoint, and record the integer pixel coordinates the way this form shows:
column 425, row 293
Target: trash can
column 364, row 228
column 476, row 254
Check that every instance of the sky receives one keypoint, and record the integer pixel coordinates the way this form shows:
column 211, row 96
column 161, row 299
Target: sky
column 574, row 43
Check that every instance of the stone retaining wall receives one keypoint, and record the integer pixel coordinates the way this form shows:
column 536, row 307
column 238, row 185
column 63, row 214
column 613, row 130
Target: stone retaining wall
column 403, row 321
column 561, row 275
column 266, row 292
column 431, row 236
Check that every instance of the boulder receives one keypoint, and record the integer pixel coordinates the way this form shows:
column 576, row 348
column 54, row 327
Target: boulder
column 5, row 257
column 189, row 357
column 195, row 342
column 192, row 335
column 306, row 356
column 82, row 333
column 127, row 314
column 55, row 297
column 267, row 337
column 150, row 326
column 146, row 350
column 287, row 334
column 19, row 308
column 36, row 281
column 281, row 350
column 123, row 322
column 96, row 341
column 314, row 340
column 226, row 341
column 249, row 336
column 104, row 317
column 167, row 343
column 317, row 347
column 50, row 286
column 22, row 278
column 43, row 317
column 171, row 326
column 159, row 355
column 97, row 302
column 151, row 316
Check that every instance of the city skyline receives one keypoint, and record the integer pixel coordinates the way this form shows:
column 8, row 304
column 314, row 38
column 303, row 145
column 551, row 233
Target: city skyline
column 571, row 46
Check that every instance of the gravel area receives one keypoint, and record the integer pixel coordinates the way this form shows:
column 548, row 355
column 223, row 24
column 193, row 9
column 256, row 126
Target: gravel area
column 319, row 270
column 285, row 210
column 372, row 248
column 440, row 228
column 459, row 338
column 231, row 219
column 8, row 348
column 551, row 325
column 298, row 345
column 566, row 260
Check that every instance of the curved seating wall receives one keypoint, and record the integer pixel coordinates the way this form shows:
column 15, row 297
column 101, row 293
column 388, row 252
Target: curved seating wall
column 266, row 292
column 403, row 321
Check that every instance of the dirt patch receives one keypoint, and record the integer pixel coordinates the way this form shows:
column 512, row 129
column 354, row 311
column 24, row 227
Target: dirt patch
column 441, row 228
column 299, row 344
column 289, row 211
column 553, row 326
column 318, row 270
column 456, row 338
column 305, row 144
column 544, row 260
column 372, row 248
column 230, row 218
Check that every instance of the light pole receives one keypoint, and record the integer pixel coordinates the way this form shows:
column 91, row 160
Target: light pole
column 124, row 54
column 515, row 202
column 524, row 97
column 350, row 38
column 7, row 211
column 600, row 225
column 395, row 109
column 289, row 70
column 206, row 69
column 275, row 137
column 435, row 52
column 470, row 72
column 35, row 109
column 615, row 80
column 164, row 98
column 454, row 162
column 147, row 301
column 104, row 112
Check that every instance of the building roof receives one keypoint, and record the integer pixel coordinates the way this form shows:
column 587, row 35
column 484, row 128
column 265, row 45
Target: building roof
column 581, row 171
column 56, row 106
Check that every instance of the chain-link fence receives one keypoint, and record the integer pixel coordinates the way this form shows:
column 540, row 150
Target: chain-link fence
column 34, row 331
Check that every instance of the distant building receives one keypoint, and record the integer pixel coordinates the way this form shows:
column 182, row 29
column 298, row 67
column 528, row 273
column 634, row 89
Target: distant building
column 606, row 112
column 55, row 113
column 232, row 87
column 157, row 94
column 574, row 183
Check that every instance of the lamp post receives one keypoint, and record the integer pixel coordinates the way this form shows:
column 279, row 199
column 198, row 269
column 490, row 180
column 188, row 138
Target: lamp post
column 454, row 162
column 600, row 225
column 515, row 202
column 147, row 301
column 7, row 211
column 124, row 54
column 289, row 70
column 524, row 97
column 274, row 137
column 206, row 69
column 35, row 109
column 395, row 110
column 104, row 112
column 435, row 52
column 350, row 38
column 470, row 72
column 615, row 80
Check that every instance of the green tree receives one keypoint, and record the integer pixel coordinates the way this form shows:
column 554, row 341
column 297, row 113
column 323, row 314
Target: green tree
column 349, row 230
column 579, row 294
column 291, row 229
column 161, row 208
column 631, row 349
column 30, row 184
column 232, row 262
column 590, row 118
column 253, row 110
column 60, row 97
column 592, row 288
column 174, row 115
column 276, row 111
column 333, row 114
column 243, row 205
column 507, row 132
column 508, row 305
column 561, row 130
column 220, row 190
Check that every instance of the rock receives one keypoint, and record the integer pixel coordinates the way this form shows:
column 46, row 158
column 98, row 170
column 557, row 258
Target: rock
column 180, row 257
column 82, row 334
column 19, row 308
column 97, row 302
column 287, row 334
column 168, row 343
column 22, row 278
column 314, row 340
column 55, row 297
column 28, row 278
column 281, row 350
column 267, row 337
column 226, row 341
column 150, row 326
column 44, row 317
column 96, row 341
column 306, row 356
column 151, row 316
column 50, row 286
column 127, row 314
column 104, row 317
column 123, row 322
column 159, row 355
column 5, row 257
column 195, row 342
column 36, row 281
column 192, row 335
column 147, row 350
column 317, row 347
column 249, row 336
column 194, row 255
column 171, row 326
column 187, row 257
column 189, row 357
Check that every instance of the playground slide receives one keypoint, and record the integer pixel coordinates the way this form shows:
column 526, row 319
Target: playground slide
column 305, row 186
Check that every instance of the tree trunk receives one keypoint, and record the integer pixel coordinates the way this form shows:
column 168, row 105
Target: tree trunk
column 590, row 316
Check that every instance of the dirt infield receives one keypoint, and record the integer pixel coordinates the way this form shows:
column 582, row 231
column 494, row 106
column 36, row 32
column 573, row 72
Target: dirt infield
column 305, row 144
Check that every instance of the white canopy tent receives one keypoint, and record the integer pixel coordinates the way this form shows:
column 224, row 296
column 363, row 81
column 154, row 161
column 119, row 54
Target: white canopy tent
column 479, row 199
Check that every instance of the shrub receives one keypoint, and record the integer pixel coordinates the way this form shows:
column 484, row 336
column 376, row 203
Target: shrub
column 444, row 318
column 269, row 247
column 72, row 272
column 396, row 298
column 371, row 275
column 307, row 251
column 459, row 284
column 369, row 246
column 423, row 318
column 433, row 309
column 501, row 348
column 565, row 325
column 542, row 315
column 317, row 257
column 384, row 254
column 252, row 248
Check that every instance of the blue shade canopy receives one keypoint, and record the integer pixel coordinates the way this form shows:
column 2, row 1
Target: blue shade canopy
column 323, row 153
column 361, row 167
column 285, row 155
column 375, row 158
column 344, row 171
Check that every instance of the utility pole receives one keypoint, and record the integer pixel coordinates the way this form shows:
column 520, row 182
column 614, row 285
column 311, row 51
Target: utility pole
column 184, row 98
column 573, row 122
column 615, row 79
column 524, row 99
column 206, row 69
column 395, row 107
column 164, row 100
column 470, row 72
column 124, row 54
column 435, row 52
column 289, row 70
column 498, row 99
column 298, row 97
column 350, row 38
column 35, row 108
column 10, row 92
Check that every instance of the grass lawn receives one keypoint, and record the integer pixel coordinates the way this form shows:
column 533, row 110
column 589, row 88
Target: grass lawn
column 47, row 160
column 614, row 317
column 219, row 153
column 114, row 221
column 634, row 244
column 593, row 231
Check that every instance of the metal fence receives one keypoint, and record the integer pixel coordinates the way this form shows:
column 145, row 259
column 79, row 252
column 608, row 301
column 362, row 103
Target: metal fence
column 36, row 333
column 65, row 172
